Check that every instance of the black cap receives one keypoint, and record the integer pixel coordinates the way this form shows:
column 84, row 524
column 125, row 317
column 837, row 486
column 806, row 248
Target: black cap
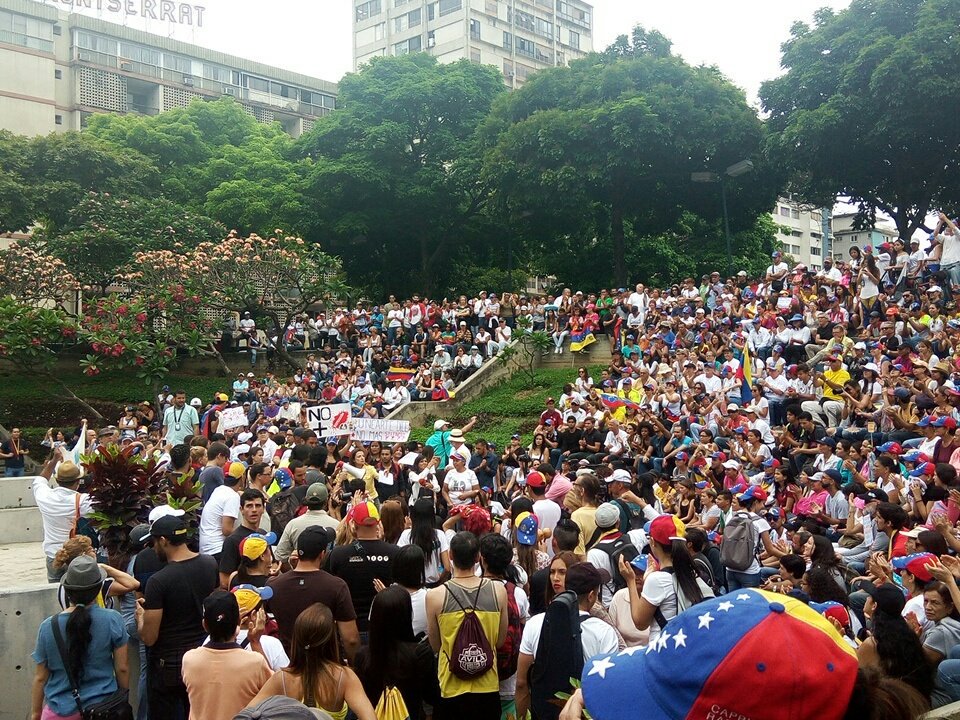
column 139, row 536
column 170, row 527
column 314, row 540
column 888, row 597
column 834, row 475
column 878, row 495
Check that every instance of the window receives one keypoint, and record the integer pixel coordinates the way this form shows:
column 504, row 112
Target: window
column 367, row 10
column 492, row 8
column 258, row 84
column 219, row 73
column 96, row 43
column 58, row 119
column 284, row 91
column 524, row 71
column 526, row 47
column 574, row 40
column 794, row 213
column 400, row 3
column 784, row 211
column 178, row 63
column 507, row 69
column 507, row 40
column 379, row 31
column 407, row 46
column 57, row 30
column 58, row 74
column 796, row 233
column 474, row 55
column 474, row 29
column 140, row 54
column 523, row 20
column 854, row 239
column 449, row 6
column 544, row 28
column 814, row 250
column 431, row 12
column 26, row 31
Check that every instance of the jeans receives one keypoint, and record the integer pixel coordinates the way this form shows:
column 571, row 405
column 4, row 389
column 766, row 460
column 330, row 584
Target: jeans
column 53, row 576
column 953, row 278
column 777, row 413
column 737, row 580
column 13, row 472
column 946, row 688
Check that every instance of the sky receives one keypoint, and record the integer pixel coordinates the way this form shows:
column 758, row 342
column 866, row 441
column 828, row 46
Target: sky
column 741, row 37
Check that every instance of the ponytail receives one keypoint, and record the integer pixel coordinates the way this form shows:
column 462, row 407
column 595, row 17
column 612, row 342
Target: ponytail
column 685, row 571
column 78, row 628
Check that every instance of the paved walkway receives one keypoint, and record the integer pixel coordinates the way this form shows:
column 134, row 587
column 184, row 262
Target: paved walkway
column 22, row 566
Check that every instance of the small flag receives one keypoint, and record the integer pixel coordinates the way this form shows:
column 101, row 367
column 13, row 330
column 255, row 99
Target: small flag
column 745, row 373
column 400, row 373
column 615, row 401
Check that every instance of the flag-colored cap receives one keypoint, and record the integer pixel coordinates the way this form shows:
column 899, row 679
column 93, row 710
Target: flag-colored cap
column 705, row 658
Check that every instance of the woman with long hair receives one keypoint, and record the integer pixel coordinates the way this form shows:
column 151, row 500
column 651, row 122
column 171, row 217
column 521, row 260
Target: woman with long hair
column 820, row 553
column 539, row 451
column 558, row 572
column 95, row 647
column 357, row 468
column 392, row 519
column 394, row 658
column 671, row 588
column 424, row 534
column 893, row 647
column 316, row 675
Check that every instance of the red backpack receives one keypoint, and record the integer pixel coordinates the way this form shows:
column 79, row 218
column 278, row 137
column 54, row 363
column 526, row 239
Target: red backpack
column 471, row 655
column 509, row 654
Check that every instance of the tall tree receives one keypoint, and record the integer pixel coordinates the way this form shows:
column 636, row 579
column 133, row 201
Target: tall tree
column 607, row 146
column 395, row 182
column 868, row 109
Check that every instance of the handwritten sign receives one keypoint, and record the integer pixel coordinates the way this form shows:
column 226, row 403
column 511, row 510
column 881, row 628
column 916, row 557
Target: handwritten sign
column 391, row 431
column 231, row 418
column 330, row 420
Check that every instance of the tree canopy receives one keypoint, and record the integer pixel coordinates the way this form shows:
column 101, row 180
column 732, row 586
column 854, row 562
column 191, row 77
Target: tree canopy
column 868, row 108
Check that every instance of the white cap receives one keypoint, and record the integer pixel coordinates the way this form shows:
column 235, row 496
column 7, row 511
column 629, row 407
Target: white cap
column 196, row 402
column 163, row 511
column 620, row 475
column 732, row 464
column 732, row 406
column 871, row 366
column 934, row 288
column 245, row 437
column 240, row 449
column 440, row 424
column 273, row 429
column 859, row 346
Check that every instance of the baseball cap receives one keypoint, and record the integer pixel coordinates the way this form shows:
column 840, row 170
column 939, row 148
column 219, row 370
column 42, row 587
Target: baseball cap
column 169, row 526
column 535, row 479
column 440, row 424
column 317, row 494
column 890, row 447
column 235, row 469
column 526, row 526
column 620, row 475
column 874, row 495
column 607, row 515
column 706, row 657
column 828, row 441
column 902, row 393
column 925, row 421
column 163, row 511
column 639, row 563
column 249, row 597
column 916, row 457
column 888, row 597
column 139, row 536
column 365, row 514
column 667, row 528
column 832, row 610
column 923, row 469
column 945, row 421
column 916, row 564
column 582, row 578
column 313, row 540
column 719, row 455
column 682, row 457
column 284, row 478
column 834, row 475
column 771, row 462
column 253, row 546
column 731, row 465
column 754, row 492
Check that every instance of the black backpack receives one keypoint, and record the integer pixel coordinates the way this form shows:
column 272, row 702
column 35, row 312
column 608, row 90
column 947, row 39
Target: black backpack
column 615, row 549
column 635, row 520
column 559, row 657
column 283, row 508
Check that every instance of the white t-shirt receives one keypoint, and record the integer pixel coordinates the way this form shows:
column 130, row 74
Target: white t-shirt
column 272, row 648
column 224, row 502
column 548, row 515
column 777, row 269
column 432, row 565
column 661, row 590
column 458, row 483
column 58, row 511
column 596, row 636
column 419, row 600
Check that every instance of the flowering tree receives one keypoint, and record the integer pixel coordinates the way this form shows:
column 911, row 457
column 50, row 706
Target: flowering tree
column 277, row 278
column 33, row 277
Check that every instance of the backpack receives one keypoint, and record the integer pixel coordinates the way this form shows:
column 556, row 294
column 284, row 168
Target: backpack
column 471, row 655
column 284, row 507
column 635, row 521
column 740, row 539
column 509, row 654
column 615, row 549
column 559, row 656
column 391, row 705
column 705, row 573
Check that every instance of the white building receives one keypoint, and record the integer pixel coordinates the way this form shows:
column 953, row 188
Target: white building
column 518, row 37
column 800, row 230
column 845, row 236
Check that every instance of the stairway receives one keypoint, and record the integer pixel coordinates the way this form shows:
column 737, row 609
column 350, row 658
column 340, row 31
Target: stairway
column 596, row 354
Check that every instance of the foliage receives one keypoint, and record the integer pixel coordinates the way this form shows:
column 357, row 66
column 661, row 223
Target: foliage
column 35, row 278
column 607, row 145
column 145, row 332
column 394, row 182
column 29, row 334
column 529, row 346
column 868, row 109
column 181, row 491
column 104, row 231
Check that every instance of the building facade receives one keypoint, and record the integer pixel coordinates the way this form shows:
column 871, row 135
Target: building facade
column 57, row 69
column 802, row 231
column 845, row 236
column 519, row 37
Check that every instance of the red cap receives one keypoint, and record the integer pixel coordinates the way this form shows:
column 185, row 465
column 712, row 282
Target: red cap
column 365, row 513
column 535, row 479
column 666, row 528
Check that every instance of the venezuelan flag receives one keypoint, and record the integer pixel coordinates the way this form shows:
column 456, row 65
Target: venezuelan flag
column 400, row 373
column 615, row 402
column 581, row 341
column 745, row 373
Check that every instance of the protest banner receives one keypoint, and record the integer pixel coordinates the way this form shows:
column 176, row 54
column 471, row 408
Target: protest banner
column 390, row 431
column 231, row 418
column 330, row 420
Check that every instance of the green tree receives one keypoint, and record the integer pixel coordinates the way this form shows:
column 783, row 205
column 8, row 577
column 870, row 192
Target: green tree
column 607, row 146
column 16, row 200
column 104, row 231
column 395, row 182
column 868, row 109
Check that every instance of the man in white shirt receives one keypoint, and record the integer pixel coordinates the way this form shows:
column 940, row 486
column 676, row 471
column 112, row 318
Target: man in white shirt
column 596, row 636
column 395, row 396
column 547, row 511
column 755, row 422
column 219, row 516
column 947, row 233
column 60, row 509
column 828, row 274
column 616, row 442
column 777, row 270
column 712, row 382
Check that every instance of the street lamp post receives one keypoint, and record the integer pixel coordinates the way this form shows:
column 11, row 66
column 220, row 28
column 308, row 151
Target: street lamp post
column 736, row 170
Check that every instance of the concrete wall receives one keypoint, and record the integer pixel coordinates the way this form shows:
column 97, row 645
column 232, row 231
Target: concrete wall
column 21, row 612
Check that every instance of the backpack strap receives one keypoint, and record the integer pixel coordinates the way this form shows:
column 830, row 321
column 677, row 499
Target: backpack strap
column 62, row 652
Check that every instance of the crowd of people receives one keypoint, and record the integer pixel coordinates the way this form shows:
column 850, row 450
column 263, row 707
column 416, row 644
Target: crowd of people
column 760, row 488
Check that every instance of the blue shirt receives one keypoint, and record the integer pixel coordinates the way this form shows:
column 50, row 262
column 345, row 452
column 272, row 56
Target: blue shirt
column 98, row 681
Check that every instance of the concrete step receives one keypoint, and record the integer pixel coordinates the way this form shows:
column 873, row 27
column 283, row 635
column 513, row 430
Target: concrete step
column 22, row 565
column 20, row 525
column 16, row 492
column 596, row 354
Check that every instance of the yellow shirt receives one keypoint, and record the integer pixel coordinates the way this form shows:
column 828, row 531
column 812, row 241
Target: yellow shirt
column 449, row 619
column 837, row 377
